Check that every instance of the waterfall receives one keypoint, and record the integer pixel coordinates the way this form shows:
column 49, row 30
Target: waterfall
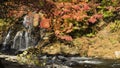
column 27, row 39
column 21, row 41
column 17, row 41
column 7, row 41
column 24, row 38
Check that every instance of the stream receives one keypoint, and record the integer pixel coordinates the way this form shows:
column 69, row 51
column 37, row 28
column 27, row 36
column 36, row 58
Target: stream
column 65, row 62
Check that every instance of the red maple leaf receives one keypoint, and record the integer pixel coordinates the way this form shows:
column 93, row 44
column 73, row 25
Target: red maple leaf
column 86, row 6
column 66, row 10
column 45, row 23
column 76, row 7
column 66, row 16
column 56, row 13
column 66, row 37
column 92, row 19
column 98, row 16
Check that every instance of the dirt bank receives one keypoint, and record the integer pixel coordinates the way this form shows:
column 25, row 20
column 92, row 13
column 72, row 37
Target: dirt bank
column 105, row 44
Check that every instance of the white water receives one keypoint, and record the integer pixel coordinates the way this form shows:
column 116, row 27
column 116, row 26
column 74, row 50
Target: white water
column 17, row 37
column 7, row 39
column 23, row 38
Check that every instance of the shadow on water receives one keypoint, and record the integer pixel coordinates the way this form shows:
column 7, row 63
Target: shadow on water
column 66, row 62
column 8, row 64
column 80, row 62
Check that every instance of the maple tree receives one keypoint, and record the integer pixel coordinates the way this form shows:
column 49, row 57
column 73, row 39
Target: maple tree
column 63, row 17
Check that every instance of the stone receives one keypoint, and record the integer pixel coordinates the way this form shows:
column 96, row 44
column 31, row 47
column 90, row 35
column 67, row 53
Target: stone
column 117, row 54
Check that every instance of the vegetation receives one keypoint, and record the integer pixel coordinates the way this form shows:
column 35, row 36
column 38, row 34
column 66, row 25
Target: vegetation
column 65, row 19
column 115, row 26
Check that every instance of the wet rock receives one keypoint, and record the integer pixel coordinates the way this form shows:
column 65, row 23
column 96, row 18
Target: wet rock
column 1, row 65
column 57, row 66
column 7, row 61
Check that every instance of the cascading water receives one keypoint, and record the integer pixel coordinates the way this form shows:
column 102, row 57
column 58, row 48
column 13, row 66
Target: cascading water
column 23, row 38
column 21, row 41
column 7, row 41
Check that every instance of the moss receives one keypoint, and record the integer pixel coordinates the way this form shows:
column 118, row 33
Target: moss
column 115, row 26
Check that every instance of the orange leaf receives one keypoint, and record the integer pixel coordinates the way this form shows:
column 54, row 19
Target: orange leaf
column 98, row 16
column 66, row 37
column 45, row 23
column 57, row 32
column 86, row 6
column 92, row 19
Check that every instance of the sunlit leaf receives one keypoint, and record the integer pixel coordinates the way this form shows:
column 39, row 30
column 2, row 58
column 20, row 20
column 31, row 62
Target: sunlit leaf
column 92, row 19
column 36, row 20
column 45, row 23
column 66, row 37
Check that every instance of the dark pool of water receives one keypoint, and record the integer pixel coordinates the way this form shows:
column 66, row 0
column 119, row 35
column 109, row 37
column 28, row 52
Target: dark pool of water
column 80, row 62
column 66, row 62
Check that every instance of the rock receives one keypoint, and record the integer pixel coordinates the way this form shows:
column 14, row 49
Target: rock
column 57, row 66
column 1, row 65
column 117, row 54
column 9, row 58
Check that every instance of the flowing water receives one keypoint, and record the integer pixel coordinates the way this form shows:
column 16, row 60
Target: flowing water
column 66, row 62
column 79, row 62
column 7, row 40
column 23, row 39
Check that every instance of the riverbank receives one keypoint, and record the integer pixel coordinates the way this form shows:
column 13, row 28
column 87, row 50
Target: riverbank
column 105, row 44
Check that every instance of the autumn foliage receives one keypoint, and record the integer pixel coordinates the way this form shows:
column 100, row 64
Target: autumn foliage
column 63, row 17
column 45, row 23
